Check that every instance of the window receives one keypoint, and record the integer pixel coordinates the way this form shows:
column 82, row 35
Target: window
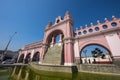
column 90, row 30
column 97, row 28
column 114, row 24
column 85, row 32
column 58, row 21
column 79, row 33
column 104, row 26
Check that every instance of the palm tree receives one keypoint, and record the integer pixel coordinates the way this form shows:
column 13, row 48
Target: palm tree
column 97, row 53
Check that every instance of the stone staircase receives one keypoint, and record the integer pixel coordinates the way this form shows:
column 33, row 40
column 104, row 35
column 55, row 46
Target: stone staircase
column 53, row 55
column 117, row 62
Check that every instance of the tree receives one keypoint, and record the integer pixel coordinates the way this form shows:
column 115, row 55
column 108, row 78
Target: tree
column 98, row 53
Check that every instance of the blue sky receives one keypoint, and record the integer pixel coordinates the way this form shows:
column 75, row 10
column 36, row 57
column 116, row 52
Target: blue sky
column 29, row 17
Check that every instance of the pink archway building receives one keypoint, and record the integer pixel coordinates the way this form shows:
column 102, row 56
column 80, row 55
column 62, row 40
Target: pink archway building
column 105, row 34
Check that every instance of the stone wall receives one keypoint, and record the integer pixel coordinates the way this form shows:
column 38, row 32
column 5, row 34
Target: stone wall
column 100, row 68
column 54, row 68
column 91, row 68
column 116, row 62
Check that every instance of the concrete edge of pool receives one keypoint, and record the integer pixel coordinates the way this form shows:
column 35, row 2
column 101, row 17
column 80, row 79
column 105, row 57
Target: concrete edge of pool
column 97, row 69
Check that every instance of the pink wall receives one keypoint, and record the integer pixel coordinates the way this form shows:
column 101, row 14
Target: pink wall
column 96, row 39
column 66, row 27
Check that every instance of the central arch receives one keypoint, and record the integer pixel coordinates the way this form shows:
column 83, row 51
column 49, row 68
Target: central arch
column 64, row 28
column 52, row 35
column 54, row 53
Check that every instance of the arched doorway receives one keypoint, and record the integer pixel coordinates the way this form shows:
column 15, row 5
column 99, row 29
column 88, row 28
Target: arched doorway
column 54, row 37
column 36, row 57
column 95, row 54
column 65, row 29
column 57, row 39
column 55, row 49
column 21, row 58
column 27, row 59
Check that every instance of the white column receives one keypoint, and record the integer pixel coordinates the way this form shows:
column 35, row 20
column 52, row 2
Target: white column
column 19, row 56
column 32, row 53
column 76, row 52
column 76, row 49
column 114, row 44
column 53, row 41
column 60, row 38
column 25, row 54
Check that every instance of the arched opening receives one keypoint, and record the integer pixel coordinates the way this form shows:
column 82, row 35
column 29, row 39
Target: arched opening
column 75, row 34
column 55, row 51
column 21, row 58
column 27, row 59
column 54, row 37
column 114, row 24
column 36, row 57
column 95, row 54
column 58, row 21
column 57, row 39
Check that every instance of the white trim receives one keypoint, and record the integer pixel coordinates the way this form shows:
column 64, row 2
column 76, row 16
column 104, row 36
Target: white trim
column 39, row 62
column 69, row 64
column 76, row 49
column 32, row 53
column 114, row 43
column 25, row 54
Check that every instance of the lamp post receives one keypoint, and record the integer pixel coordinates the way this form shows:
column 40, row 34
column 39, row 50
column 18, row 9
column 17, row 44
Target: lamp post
column 85, row 51
column 5, row 51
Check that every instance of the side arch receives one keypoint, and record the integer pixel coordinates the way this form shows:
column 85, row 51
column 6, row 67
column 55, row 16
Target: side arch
column 94, row 42
column 21, row 58
column 27, row 58
column 36, row 56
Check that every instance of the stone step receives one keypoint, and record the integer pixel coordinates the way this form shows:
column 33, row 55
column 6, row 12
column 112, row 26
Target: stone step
column 53, row 55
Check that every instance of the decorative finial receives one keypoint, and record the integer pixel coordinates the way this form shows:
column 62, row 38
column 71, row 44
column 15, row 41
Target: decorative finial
column 98, row 21
column 91, row 24
column 113, row 17
column 106, row 20
column 67, row 15
column 86, row 26
column 49, row 24
column 80, row 27
column 76, row 29
column 58, row 19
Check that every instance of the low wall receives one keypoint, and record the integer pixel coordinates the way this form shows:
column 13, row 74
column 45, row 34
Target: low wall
column 116, row 62
column 54, row 68
column 92, row 68
column 99, row 68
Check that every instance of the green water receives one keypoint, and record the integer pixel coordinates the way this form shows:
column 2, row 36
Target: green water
column 25, row 73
